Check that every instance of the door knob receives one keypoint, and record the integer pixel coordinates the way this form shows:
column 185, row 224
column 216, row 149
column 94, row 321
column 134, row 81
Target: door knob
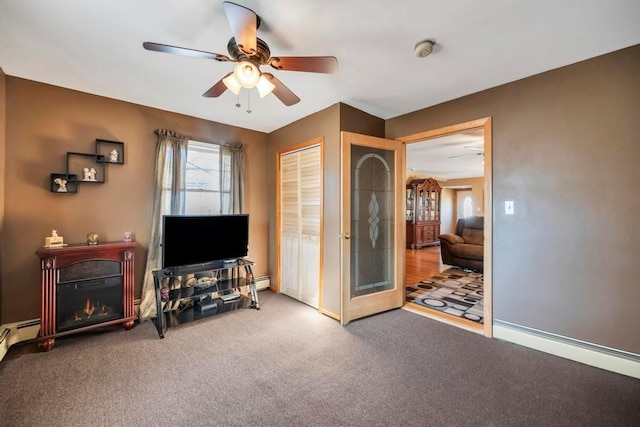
column 347, row 236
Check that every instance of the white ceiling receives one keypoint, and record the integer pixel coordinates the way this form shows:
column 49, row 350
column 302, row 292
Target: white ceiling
column 458, row 155
column 96, row 47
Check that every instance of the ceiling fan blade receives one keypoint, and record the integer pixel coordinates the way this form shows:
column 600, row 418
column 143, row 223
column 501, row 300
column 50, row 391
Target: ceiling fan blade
column 157, row 47
column 465, row 155
column 474, row 148
column 244, row 25
column 217, row 89
column 312, row 64
column 282, row 92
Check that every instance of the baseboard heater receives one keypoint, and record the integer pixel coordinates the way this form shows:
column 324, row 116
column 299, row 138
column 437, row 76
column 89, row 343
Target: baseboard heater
column 14, row 333
column 262, row 283
column 611, row 359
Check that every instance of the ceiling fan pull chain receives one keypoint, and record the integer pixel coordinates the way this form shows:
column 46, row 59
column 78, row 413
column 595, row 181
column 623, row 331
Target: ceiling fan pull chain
column 238, row 100
column 248, row 101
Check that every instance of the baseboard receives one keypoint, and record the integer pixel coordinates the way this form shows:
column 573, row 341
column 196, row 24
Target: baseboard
column 610, row 359
column 13, row 333
column 329, row 314
column 262, row 282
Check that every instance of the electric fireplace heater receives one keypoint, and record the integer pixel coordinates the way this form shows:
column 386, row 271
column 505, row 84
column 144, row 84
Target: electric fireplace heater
column 88, row 302
column 85, row 287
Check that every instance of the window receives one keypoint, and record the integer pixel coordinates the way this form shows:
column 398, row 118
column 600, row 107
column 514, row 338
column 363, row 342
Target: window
column 468, row 207
column 205, row 184
column 207, row 181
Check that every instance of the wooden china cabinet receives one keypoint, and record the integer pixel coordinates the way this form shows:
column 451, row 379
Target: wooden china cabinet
column 423, row 212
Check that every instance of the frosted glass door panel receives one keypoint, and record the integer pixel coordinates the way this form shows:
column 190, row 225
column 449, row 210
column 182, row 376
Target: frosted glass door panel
column 372, row 220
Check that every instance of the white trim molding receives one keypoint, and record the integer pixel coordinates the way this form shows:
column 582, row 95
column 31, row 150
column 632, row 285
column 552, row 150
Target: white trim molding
column 13, row 333
column 262, row 282
column 610, row 359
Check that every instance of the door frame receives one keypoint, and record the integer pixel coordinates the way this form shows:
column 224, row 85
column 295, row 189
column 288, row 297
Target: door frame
column 485, row 124
column 319, row 141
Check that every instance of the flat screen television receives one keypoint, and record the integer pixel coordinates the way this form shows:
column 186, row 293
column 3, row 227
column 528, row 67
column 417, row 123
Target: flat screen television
column 202, row 239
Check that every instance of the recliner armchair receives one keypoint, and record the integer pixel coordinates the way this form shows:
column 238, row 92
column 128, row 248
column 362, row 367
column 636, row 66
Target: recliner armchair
column 465, row 248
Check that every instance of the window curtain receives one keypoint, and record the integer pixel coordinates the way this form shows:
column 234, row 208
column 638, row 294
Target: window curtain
column 231, row 178
column 168, row 199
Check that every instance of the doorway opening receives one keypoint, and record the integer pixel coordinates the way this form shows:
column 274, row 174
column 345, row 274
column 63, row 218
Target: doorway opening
column 459, row 158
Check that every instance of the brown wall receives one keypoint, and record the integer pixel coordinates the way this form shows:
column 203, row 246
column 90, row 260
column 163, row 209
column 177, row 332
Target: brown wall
column 324, row 124
column 43, row 123
column 357, row 121
column 3, row 141
column 565, row 149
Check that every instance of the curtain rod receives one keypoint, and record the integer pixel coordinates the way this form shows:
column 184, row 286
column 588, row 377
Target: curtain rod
column 175, row 135
column 229, row 145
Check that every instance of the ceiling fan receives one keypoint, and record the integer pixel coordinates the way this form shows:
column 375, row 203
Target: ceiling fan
column 249, row 53
column 480, row 153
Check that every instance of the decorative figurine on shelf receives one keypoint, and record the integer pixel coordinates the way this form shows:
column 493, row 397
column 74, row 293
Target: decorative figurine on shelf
column 54, row 241
column 89, row 174
column 92, row 239
column 62, row 185
column 164, row 293
column 127, row 237
column 113, row 156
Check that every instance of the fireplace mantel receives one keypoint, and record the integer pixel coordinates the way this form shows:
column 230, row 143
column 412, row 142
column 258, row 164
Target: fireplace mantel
column 67, row 265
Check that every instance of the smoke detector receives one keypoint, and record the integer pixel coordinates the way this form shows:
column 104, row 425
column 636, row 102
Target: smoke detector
column 424, row 48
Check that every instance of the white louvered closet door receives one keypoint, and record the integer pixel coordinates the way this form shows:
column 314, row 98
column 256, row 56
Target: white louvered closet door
column 300, row 208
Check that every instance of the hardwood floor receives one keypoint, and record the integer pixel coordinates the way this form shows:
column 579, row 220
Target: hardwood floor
column 422, row 263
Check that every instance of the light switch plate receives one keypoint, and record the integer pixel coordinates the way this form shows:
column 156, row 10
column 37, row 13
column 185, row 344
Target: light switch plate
column 509, row 207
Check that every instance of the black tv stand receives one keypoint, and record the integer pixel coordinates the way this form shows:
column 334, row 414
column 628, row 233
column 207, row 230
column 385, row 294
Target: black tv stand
column 221, row 291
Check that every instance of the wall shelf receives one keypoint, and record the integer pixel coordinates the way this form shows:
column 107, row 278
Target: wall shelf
column 64, row 183
column 110, row 151
column 87, row 167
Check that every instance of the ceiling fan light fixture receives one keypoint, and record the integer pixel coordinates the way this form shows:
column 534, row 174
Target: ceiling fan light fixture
column 264, row 86
column 232, row 83
column 247, row 74
column 249, row 53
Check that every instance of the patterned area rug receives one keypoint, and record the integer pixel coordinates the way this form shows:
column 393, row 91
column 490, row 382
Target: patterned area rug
column 454, row 291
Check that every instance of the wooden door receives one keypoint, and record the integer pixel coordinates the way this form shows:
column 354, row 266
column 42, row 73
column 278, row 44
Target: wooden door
column 300, row 184
column 372, row 225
